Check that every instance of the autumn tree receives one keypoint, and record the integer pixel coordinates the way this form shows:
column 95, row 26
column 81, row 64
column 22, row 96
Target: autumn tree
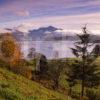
column 9, row 50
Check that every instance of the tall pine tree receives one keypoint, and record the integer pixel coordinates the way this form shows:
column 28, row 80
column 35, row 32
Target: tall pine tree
column 85, row 70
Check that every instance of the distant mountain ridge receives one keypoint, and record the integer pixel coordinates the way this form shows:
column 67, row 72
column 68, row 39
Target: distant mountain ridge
column 49, row 33
column 40, row 33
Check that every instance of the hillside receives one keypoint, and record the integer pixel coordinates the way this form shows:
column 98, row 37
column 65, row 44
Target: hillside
column 16, row 87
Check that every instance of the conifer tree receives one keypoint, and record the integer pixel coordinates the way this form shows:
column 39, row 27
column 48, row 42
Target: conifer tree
column 85, row 70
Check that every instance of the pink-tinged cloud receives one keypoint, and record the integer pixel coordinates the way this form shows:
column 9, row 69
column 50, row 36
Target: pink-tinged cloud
column 44, row 6
column 70, row 23
column 22, row 13
column 67, row 14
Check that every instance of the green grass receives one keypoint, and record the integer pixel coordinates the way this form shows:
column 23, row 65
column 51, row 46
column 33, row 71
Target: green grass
column 16, row 87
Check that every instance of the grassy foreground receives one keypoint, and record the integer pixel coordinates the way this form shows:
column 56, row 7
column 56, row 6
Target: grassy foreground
column 16, row 87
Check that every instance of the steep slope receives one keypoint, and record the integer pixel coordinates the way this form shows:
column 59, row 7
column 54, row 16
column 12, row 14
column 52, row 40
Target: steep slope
column 16, row 87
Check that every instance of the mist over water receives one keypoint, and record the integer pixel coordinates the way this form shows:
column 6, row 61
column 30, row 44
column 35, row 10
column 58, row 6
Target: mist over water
column 50, row 49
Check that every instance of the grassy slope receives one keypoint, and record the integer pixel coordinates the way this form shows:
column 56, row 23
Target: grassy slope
column 16, row 87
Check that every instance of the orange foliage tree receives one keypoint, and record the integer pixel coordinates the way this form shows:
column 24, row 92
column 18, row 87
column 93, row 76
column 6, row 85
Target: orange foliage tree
column 9, row 50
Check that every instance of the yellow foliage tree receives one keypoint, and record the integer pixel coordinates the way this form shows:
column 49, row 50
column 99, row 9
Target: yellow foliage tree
column 9, row 50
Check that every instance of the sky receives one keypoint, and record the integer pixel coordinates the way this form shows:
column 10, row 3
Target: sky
column 66, row 14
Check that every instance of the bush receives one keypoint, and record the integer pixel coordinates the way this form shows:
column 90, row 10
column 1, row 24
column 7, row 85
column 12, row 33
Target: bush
column 98, row 96
column 92, row 94
column 75, row 95
column 10, row 95
column 24, row 71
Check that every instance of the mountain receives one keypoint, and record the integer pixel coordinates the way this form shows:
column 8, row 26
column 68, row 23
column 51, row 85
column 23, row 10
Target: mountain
column 41, row 32
column 49, row 33
column 34, row 34
column 16, row 33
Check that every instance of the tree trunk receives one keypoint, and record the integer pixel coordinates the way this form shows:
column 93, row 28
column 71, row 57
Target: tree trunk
column 70, row 91
column 56, row 84
column 82, row 92
column 83, row 78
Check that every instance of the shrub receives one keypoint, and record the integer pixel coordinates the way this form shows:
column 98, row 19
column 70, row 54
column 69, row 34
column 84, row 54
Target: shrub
column 92, row 94
column 10, row 95
column 24, row 71
column 75, row 95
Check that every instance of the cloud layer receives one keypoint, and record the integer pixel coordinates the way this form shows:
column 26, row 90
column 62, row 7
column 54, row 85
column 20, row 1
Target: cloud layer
column 13, row 9
column 68, row 14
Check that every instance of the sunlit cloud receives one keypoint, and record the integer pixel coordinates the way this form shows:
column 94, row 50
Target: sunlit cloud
column 66, row 14
column 22, row 13
column 68, row 23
